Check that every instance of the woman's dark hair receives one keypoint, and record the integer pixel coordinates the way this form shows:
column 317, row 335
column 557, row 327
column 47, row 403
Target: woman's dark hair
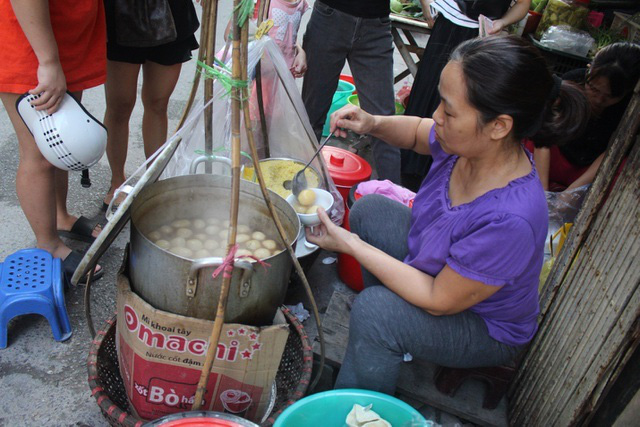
column 620, row 64
column 507, row 75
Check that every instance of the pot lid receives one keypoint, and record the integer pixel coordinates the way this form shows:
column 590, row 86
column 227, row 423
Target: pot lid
column 121, row 216
column 346, row 168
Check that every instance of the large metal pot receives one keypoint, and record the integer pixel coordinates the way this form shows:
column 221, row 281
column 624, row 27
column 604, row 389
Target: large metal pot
column 184, row 286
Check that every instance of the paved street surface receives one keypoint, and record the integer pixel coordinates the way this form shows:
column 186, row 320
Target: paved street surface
column 44, row 382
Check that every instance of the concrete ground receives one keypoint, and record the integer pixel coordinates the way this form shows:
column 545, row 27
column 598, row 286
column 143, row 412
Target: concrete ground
column 44, row 382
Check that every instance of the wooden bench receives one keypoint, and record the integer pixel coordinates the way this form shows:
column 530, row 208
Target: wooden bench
column 416, row 380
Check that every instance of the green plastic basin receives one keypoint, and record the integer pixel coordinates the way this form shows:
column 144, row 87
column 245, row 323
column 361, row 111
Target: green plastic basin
column 330, row 409
column 353, row 100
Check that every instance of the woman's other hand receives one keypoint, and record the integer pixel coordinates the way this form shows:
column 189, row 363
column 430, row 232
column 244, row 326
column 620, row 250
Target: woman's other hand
column 426, row 12
column 329, row 236
column 352, row 118
column 299, row 66
column 496, row 26
column 52, row 86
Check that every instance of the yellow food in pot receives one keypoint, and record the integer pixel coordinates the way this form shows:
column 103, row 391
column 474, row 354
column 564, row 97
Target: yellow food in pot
column 276, row 172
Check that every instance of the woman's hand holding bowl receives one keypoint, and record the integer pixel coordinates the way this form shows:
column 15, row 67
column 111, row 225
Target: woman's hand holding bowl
column 329, row 236
column 352, row 118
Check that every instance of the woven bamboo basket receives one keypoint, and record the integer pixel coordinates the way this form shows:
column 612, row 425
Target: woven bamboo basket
column 107, row 387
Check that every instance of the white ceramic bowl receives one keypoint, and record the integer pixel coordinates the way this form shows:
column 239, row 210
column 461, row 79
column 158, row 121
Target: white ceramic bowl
column 324, row 199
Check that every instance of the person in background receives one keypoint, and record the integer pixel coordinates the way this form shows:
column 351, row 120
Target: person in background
column 286, row 16
column 161, row 66
column 357, row 31
column 608, row 84
column 450, row 27
column 455, row 279
column 49, row 48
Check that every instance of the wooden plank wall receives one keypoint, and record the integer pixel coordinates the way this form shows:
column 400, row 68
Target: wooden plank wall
column 591, row 304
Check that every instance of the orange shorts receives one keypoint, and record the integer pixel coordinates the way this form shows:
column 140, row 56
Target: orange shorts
column 80, row 31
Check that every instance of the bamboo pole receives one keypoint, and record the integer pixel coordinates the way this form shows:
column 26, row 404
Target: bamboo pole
column 208, row 86
column 274, row 213
column 207, row 34
column 233, row 214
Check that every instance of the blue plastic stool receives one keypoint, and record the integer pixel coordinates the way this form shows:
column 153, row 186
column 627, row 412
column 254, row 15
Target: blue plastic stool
column 32, row 282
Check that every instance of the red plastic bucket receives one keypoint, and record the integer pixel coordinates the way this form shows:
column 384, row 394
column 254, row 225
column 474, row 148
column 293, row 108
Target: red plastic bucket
column 347, row 170
column 200, row 419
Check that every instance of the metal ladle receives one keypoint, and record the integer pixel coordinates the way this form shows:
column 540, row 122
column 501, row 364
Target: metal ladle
column 299, row 181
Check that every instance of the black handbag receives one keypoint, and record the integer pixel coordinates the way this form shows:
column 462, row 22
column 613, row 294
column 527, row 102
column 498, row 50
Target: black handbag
column 492, row 9
column 144, row 23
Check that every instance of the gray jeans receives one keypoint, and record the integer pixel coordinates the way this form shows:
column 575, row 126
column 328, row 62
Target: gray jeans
column 384, row 327
column 333, row 37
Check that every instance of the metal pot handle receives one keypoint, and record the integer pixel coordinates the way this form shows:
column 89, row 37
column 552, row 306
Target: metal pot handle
column 211, row 159
column 245, row 280
column 125, row 189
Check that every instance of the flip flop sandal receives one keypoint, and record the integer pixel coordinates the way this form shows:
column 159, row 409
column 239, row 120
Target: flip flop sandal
column 70, row 264
column 81, row 230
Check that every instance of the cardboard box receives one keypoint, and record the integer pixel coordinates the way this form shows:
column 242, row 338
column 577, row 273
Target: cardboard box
column 161, row 356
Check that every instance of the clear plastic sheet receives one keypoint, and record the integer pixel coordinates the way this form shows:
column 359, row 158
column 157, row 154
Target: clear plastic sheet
column 289, row 134
column 563, row 209
column 567, row 39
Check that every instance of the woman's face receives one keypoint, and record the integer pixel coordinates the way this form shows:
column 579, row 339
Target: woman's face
column 456, row 119
column 598, row 92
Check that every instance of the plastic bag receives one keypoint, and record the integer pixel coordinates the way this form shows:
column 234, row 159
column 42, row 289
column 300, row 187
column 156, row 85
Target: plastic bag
column 567, row 39
column 289, row 134
column 562, row 12
column 563, row 209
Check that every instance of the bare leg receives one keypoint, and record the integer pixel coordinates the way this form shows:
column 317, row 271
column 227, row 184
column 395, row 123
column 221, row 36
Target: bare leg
column 157, row 86
column 64, row 220
column 120, row 92
column 35, row 185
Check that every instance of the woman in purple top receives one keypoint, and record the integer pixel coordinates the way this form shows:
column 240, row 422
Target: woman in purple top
column 459, row 272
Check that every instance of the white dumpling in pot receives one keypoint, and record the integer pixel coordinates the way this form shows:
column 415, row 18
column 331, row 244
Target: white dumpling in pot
column 244, row 229
column 182, row 251
column 154, row 235
column 243, row 252
column 194, row 244
column 269, row 244
column 212, row 230
column 258, row 235
column 262, row 253
column 213, row 221
column 181, row 223
column 242, row 237
column 200, row 236
column 202, row 253
column 223, row 233
column 184, row 232
column 178, row 242
column 166, row 230
column 220, row 252
column 211, row 244
column 163, row 244
column 252, row 245
column 198, row 224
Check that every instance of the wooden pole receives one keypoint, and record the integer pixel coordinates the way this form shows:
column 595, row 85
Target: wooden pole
column 270, row 206
column 208, row 84
column 207, row 35
column 233, row 214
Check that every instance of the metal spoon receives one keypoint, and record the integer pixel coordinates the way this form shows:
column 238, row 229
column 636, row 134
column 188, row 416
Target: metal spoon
column 299, row 181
